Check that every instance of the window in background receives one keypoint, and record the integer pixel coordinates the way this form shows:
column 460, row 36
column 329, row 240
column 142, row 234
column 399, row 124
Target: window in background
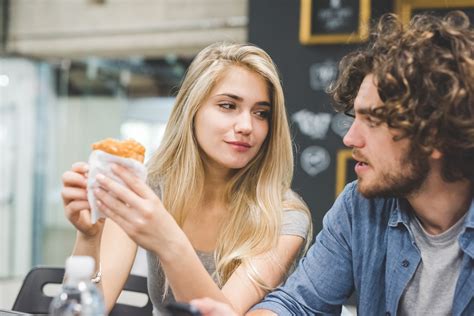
column 50, row 113
column 96, row 99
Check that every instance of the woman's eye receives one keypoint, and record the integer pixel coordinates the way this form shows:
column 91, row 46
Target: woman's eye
column 227, row 106
column 263, row 114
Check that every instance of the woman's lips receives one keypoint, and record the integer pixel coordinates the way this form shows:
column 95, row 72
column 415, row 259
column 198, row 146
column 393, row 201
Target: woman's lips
column 240, row 146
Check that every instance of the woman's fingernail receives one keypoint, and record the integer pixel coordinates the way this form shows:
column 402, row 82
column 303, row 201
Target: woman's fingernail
column 100, row 177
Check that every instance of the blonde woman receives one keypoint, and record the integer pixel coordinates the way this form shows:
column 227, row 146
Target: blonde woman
column 217, row 215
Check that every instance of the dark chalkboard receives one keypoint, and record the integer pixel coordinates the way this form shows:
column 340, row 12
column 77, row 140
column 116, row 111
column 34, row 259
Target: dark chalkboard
column 334, row 16
column 306, row 71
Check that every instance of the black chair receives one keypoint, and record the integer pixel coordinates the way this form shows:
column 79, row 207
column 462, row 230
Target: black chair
column 32, row 299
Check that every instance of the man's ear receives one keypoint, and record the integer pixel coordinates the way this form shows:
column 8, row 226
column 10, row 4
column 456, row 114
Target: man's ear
column 436, row 154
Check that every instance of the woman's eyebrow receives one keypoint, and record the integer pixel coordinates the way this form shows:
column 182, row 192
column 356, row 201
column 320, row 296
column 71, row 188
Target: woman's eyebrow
column 232, row 96
column 240, row 99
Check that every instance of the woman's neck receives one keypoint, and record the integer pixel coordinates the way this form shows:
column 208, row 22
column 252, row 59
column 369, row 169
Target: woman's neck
column 216, row 179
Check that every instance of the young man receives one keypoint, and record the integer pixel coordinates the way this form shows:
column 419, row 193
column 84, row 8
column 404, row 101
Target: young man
column 402, row 236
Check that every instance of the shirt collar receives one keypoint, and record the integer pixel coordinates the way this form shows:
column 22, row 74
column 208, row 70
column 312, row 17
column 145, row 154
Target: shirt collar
column 470, row 216
column 400, row 214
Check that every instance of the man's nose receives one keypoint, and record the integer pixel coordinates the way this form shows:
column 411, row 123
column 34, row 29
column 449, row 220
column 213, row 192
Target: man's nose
column 353, row 137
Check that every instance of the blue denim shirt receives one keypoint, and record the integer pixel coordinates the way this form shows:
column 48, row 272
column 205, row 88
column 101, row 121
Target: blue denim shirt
column 367, row 247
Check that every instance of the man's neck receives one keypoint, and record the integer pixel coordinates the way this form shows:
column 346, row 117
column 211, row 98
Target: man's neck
column 440, row 204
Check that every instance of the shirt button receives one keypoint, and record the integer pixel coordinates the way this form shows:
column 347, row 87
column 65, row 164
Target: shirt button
column 405, row 263
column 387, row 314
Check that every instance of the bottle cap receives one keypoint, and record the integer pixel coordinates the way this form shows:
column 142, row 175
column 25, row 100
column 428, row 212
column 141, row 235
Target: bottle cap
column 79, row 267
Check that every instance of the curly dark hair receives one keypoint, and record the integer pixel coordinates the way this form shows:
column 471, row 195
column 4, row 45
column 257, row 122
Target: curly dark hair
column 425, row 77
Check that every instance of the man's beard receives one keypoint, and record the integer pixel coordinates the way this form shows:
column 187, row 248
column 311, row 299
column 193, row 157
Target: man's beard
column 414, row 169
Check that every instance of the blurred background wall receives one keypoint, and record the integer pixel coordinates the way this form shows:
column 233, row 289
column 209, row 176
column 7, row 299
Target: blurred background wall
column 75, row 71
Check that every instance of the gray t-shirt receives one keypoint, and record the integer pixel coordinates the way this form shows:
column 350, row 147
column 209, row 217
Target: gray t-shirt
column 431, row 289
column 293, row 223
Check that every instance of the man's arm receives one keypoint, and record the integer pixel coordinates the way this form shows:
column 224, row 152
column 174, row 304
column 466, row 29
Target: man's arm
column 261, row 312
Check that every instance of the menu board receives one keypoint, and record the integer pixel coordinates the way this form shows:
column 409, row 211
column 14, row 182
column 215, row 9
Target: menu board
column 406, row 9
column 334, row 16
column 334, row 21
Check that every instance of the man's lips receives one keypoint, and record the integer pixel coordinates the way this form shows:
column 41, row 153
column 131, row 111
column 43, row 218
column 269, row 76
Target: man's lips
column 359, row 158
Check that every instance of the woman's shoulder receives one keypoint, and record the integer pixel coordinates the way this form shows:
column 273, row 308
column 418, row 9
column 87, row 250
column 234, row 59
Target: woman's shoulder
column 156, row 185
column 295, row 222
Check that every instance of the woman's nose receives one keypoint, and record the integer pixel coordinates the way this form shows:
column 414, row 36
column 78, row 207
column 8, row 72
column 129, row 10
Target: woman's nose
column 244, row 123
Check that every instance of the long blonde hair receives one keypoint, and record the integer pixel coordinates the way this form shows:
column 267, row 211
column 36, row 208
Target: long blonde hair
column 258, row 193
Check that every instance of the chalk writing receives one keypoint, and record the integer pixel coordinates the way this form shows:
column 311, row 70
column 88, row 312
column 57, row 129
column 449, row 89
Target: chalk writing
column 322, row 74
column 314, row 125
column 341, row 123
column 336, row 16
column 314, row 160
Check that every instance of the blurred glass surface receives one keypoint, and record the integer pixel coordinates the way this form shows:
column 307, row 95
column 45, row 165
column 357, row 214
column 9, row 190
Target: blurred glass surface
column 50, row 113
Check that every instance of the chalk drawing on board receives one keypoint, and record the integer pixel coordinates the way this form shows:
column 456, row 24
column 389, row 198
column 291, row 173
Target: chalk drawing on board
column 322, row 74
column 314, row 160
column 314, row 125
column 336, row 15
column 341, row 123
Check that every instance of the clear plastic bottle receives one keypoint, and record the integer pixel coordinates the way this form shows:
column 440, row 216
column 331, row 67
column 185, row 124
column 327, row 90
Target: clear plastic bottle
column 79, row 296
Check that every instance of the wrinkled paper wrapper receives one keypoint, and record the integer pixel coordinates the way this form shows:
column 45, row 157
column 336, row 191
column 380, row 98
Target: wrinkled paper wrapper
column 101, row 162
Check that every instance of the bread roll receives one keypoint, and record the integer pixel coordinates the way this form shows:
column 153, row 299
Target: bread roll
column 128, row 148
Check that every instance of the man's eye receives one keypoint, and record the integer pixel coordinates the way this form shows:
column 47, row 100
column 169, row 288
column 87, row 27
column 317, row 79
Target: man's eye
column 371, row 122
column 350, row 112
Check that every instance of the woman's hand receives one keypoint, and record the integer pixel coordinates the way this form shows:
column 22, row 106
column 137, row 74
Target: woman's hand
column 76, row 206
column 210, row 307
column 137, row 210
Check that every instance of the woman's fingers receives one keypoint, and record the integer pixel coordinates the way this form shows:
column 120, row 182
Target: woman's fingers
column 78, row 213
column 80, row 167
column 71, row 193
column 75, row 207
column 132, row 181
column 126, row 195
column 114, row 216
column 111, row 202
column 74, row 179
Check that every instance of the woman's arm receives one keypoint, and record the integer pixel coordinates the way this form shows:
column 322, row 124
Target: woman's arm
column 189, row 280
column 243, row 293
column 140, row 213
column 105, row 241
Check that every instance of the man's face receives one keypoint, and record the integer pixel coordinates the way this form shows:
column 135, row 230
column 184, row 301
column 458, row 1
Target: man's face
column 385, row 168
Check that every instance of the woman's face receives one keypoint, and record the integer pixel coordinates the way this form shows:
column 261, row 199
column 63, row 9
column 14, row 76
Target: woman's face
column 232, row 123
